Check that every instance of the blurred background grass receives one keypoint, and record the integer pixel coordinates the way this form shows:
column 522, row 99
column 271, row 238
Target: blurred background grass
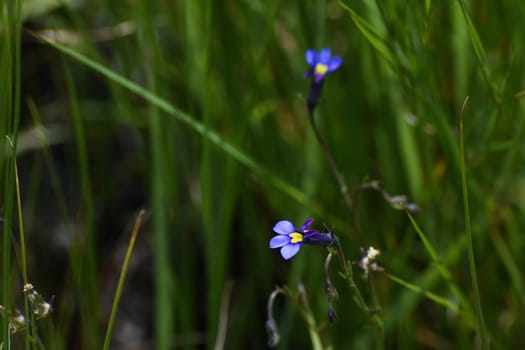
column 213, row 142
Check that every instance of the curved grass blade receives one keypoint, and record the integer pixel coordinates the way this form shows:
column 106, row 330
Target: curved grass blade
column 198, row 127
column 443, row 271
column 373, row 37
column 428, row 278
column 416, row 289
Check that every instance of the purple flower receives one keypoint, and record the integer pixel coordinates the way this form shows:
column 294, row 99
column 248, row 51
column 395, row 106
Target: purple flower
column 321, row 63
column 290, row 239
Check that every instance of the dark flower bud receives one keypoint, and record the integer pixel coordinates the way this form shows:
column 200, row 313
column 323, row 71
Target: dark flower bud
column 316, row 89
column 332, row 315
column 319, row 238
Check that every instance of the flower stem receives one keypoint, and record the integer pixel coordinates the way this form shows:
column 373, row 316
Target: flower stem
column 375, row 317
column 343, row 188
column 349, row 276
column 358, row 297
column 300, row 301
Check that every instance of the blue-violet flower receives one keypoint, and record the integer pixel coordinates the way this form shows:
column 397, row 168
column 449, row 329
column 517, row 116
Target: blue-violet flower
column 290, row 239
column 321, row 63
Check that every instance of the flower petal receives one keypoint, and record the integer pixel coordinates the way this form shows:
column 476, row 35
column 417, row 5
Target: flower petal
column 289, row 250
column 334, row 63
column 324, row 56
column 279, row 241
column 283, row 227
column 311, row 57
column 309, row 73
column 306, row 224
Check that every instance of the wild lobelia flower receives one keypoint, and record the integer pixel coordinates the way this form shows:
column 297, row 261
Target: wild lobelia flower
column 321, row 63
column 290, row 239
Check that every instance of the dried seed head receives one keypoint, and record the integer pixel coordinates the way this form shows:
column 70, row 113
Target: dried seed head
column 28, row 288
column 40, row 307
column 368, row 260
column 332, row 315
column 17, row 321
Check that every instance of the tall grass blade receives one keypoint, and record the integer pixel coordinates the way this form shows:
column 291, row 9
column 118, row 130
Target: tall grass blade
column 445, row 273
column 166, row 290
column 23, row 256
column 200, row 128
column 432, row 296
column 122, row 279
column 430, row 277
column 370, row 33
column 468, row 231
column 88, row 257
column 10, row 21
column 511, row 264
column 479, row 51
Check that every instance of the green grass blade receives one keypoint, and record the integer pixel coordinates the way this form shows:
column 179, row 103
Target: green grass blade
column 429, row 247
column 198, row 127
column 165, row 279
column 428, row 4
column 479, row 51
column 88, row 258
column 473, row 34
column 370, row 33
column 468, row 231
column 513, row 269
column 430, row 277
column 416, row 289
column 122, row 279
column 444, row 272
column 63, row 325
column 10, row 20
column 23, row 255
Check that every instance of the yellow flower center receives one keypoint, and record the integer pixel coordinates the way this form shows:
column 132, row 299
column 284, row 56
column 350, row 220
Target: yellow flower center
column 321, row 69
column 296, row 237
